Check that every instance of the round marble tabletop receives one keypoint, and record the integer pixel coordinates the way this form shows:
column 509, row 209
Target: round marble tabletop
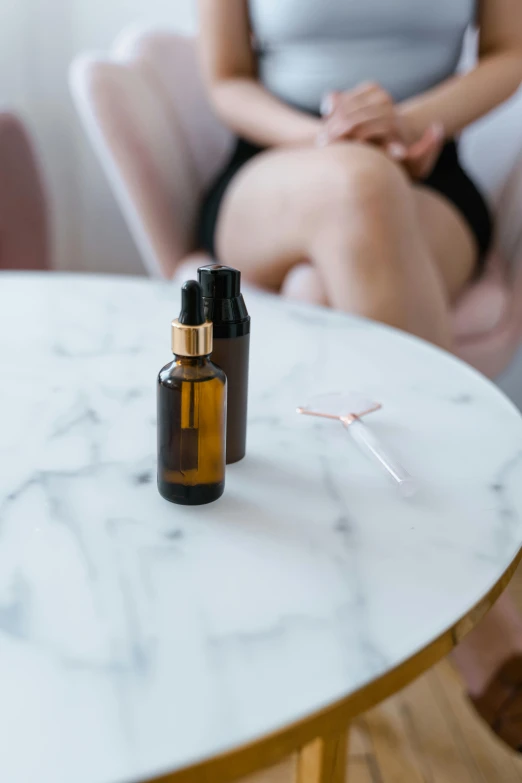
column 137, row 637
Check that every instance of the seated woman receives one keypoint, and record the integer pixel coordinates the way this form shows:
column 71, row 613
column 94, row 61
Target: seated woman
column 345, row 185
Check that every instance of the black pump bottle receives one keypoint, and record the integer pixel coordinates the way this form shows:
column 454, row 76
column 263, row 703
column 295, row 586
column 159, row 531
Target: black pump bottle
column 225, row 307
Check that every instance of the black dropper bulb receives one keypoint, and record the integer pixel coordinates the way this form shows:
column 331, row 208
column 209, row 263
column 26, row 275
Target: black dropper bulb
column 192, row 313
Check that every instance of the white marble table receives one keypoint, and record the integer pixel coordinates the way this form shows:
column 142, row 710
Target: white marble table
column 137, row 637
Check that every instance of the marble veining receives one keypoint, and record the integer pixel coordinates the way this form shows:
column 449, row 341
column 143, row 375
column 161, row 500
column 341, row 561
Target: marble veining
column 137, row 637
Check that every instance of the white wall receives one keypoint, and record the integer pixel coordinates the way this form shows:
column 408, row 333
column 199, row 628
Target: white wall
column 38, row 40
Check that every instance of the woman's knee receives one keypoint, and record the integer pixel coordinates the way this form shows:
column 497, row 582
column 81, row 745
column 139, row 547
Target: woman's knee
column 362, row 178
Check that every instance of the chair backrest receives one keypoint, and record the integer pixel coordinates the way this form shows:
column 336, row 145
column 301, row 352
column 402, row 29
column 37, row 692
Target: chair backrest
column 145, row 111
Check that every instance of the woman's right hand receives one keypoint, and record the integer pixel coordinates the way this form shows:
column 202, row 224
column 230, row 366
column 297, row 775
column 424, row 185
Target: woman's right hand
column 368, row 114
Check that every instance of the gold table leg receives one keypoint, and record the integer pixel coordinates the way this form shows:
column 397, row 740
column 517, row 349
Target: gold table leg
column 325, row 760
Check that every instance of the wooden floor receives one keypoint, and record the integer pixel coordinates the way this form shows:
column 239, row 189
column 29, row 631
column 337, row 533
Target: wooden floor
column 425, row 734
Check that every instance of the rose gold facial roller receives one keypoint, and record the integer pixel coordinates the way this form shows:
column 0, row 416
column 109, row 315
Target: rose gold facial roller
column 349, row 410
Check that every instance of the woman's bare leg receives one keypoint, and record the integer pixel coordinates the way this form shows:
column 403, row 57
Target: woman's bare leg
column 452, row 246
column 353, row 213
column 448, row 238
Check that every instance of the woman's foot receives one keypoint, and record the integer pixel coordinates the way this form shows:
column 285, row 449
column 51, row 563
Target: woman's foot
column 490, row 663
column 304, row 284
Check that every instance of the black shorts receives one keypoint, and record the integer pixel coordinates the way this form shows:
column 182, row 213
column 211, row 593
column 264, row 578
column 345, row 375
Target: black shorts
column 448, row 178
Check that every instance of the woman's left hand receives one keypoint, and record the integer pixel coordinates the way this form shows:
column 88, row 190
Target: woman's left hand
column 420, row 158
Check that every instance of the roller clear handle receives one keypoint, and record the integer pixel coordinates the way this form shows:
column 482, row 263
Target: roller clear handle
column 365, row 438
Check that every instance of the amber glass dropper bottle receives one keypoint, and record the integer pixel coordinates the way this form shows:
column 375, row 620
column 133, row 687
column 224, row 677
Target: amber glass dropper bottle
column 191, row 410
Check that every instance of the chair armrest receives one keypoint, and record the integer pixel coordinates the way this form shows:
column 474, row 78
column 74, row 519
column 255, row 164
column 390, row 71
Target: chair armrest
column 143, row 153
column 509, row 214
column 491, row 151
column 490, row 146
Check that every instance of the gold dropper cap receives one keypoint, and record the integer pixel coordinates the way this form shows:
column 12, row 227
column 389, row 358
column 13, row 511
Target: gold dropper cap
column 191, row 334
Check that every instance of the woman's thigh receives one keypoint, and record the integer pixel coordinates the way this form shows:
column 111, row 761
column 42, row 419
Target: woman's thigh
column 451, row 244
column 281, row 203
column 275, row 203
column 265, row 212
column 450, row 240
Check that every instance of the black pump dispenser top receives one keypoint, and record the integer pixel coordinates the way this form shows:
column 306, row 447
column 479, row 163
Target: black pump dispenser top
column 224, row 303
